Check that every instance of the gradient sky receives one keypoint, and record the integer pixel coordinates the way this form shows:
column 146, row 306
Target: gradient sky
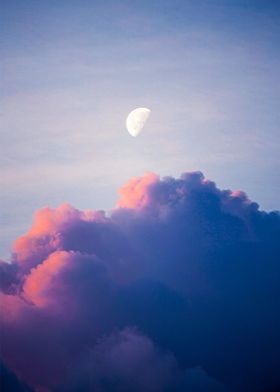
column 72, row 71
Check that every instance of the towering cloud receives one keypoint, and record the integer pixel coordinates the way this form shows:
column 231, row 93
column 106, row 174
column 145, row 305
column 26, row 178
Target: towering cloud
column 175, row 289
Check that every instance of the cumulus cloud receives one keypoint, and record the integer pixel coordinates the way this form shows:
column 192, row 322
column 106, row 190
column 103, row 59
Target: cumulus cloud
column 9, row 381
column 175, row 289
column 124, row 361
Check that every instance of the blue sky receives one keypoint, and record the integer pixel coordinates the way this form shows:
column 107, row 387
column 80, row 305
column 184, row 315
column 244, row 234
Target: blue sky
column 72, row 71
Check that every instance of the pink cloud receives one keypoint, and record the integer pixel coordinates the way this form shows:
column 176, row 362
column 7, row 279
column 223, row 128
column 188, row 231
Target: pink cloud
column 39, row 283
column 45, row 235
column 135, row 193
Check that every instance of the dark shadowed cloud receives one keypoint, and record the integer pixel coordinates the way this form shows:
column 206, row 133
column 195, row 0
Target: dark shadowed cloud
column 175, row 289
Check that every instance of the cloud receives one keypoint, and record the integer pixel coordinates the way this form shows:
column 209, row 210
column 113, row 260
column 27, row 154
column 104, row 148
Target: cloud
column 124, row 361
column 9, row 381
column 7, row 276
column 177, row 288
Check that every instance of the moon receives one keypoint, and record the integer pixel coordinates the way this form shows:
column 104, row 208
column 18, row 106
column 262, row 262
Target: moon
column 136, row 120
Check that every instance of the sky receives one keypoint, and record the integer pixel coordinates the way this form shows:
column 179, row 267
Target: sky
column 146, row 264
column 73, row 70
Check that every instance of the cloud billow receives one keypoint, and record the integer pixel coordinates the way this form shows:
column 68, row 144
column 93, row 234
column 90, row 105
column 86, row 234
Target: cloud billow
column 175, row 289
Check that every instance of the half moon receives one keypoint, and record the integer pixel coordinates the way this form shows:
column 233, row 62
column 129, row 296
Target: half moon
column 136, row 120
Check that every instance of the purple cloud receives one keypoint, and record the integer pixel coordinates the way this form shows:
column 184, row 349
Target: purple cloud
column 175, row 289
